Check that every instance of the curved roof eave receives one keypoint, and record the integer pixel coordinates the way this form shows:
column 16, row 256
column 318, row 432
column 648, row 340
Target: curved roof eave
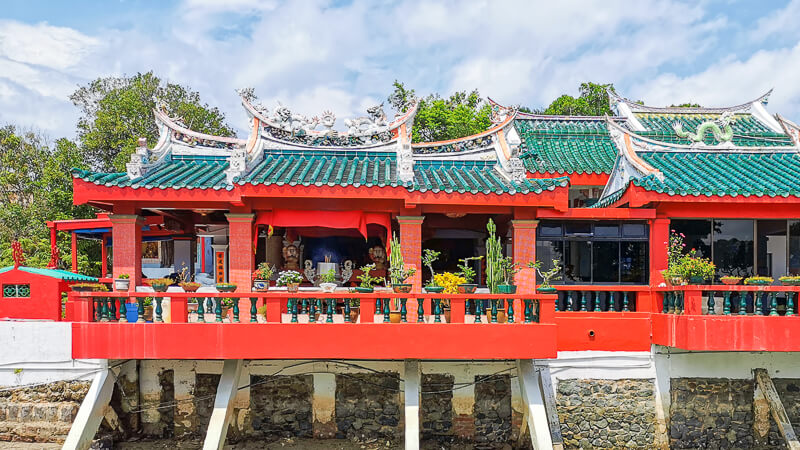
column 637, row 108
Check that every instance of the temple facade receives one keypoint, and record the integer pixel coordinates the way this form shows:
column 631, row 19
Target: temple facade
column 596, row 201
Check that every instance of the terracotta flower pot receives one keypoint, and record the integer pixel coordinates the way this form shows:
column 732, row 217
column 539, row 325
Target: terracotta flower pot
column 293, row 287
column 467, row 288
column 401, row 288
column 394, row 316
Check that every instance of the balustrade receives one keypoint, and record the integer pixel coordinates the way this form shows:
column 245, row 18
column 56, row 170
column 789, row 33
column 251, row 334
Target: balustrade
column 730, row 300
column 590, row 298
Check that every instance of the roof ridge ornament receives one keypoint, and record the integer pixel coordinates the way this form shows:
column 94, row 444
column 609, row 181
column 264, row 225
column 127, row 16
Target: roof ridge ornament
column 721, row 129
column 616, row 99
column 17, row 255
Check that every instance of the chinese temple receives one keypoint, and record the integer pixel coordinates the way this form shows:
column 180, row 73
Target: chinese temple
column 598, row 197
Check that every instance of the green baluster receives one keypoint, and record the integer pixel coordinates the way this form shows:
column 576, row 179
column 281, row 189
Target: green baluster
column 210, row 305
column 329, row 303
column 510, row 313
column 467, row 304
column 294, row 303
column 123, row 309
column 378, row 306
column 679, row 302
column 596, row 301
column 437, row 310
column 527, row 312
column 313, row 312
column 625, row 306
column 104, row 309
column 759, row 310
column 218, row 309
column 347, row 310
column 742, row 303
column 665, row 302
column 403, row 310
column 611, row 306
column 537, row 307
column 386, row 318
column 112, row 302
column 773, row 304
column 494, row 310
column 790, row 303
column 726, row 303
column 568, row 305
column 97, row 311
column 583, row 301
column 420, row 310
column 711, row 303
column 200, row 312
column 236, row 309
column 478, row 307
column 158, row 310
column 253, row 309
column 140, row 301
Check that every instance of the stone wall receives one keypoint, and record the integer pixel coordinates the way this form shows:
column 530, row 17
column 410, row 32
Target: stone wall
column 719, row 413
column 493, row 410
column 204, row 391
column 606, row 413
column 437, row 408
column 368, row 406
column 281, row 406
column 41, row 413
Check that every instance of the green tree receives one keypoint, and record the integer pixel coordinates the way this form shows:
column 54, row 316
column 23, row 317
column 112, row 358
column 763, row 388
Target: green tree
column 686, row 105
column 592, row 101
column 117, row 111
column 462, row 114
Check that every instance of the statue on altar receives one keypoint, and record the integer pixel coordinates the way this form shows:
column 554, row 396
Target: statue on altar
column 377, row 255
column 291, row 257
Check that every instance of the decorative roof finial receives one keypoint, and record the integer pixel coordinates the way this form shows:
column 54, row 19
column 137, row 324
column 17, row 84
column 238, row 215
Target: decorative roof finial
column 17, row 255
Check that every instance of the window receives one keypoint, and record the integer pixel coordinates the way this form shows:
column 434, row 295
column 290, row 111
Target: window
column 16, row 290
column 602, row 252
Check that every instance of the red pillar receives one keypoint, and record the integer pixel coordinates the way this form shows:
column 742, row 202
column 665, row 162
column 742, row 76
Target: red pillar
column 126, row 231
column 104, row 256
column 411, row 244
column 241, row 255
column 74, row 252
column 659, row 256
column 53, row 264
column 524, row 251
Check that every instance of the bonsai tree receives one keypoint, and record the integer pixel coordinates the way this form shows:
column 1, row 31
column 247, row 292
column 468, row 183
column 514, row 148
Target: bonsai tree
column 509, row 269
column 124, row 276
column 397, row 268
column 328, row 277
column 428, row 258
column 366, row 280
column 465, row 269
column 263, row 272
column 551, row 274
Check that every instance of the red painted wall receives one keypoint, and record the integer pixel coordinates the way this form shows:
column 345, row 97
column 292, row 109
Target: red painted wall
column 44, row 302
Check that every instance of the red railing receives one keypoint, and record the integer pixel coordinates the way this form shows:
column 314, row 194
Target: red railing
column 739, row 300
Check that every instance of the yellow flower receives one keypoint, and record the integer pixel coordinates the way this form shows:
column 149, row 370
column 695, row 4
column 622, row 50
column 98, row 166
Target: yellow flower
column 449, row 281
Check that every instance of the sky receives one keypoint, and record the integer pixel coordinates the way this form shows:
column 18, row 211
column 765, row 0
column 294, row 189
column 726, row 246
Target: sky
column 315, row 55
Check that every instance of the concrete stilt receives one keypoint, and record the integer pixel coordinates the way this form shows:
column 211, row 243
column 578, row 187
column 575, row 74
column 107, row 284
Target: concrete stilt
column 223, row 405
column 412, row 381
column 91, row 412
column 534, row 405
column 766, row 389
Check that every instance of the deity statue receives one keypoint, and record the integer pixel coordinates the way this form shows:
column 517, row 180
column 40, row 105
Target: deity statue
column 377, row 255
column 291, row 257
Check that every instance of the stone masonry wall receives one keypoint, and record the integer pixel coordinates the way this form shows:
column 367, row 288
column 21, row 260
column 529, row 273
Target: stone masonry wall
column 437, row 408
column 281, row 406
column 719, row 413
column 493, row 410
column 41, row 413
column 606, row 413
column 368, row 407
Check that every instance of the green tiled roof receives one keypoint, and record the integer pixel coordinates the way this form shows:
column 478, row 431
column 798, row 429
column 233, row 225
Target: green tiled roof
column 53, row 273
column 562, row 145
column 330, row 168
column 747, row 130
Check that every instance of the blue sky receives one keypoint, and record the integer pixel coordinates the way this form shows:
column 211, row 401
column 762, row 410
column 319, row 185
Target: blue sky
column 344, row 55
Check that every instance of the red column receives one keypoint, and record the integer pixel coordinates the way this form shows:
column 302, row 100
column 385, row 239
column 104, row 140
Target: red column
column 241, row 256
column 659, row 241
column 103, row 257
column 126, row 232
column 411, row 244
column 53, row 247
column 524, row 251
column 74, row 252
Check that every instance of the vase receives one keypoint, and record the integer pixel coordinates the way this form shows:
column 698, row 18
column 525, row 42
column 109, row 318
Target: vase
column 364, row 290
column 546, row 290
column 401, row 288
column 507, row 289
column 226, row 288
column 293, row 287
column 731, row 281
column 148, row 313
column 260, row 285
column 122, row 284
column 328, row 287
column 191, row 307
column 467, row 288
column 694, row 279
column 434, row 289
column 394, row 316
column 354, row 315
column 190, row 287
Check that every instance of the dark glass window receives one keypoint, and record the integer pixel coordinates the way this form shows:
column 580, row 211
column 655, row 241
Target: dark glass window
column 606, row 230
column 605, row 261
column 794, row 247
column 633, row 262
column 547, row 251
column 733, row 247
column 550, row 229
column 634, row 230
column 578, row 261
column 697, row 235
column 771, row 248
column 578, row 228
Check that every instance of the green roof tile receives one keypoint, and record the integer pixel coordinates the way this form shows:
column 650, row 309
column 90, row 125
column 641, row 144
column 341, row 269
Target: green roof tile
column 561, row 145
column 747, row 130
column 53, row 273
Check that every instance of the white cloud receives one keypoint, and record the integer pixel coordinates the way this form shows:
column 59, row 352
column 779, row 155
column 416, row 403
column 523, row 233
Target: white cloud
column 44, row 45
column 782, row 22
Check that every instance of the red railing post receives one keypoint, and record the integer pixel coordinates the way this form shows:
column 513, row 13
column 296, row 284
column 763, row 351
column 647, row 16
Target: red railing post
column 179, row 309
column 547, row 307
column 82, row 308
column 458, row 308
column 366, row 310
column 274, row 309
column 693, row 302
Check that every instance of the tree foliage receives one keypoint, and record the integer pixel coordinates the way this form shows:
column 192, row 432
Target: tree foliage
column 117, row 111
column 592, row 101
column 686, row 105
column 462, row 114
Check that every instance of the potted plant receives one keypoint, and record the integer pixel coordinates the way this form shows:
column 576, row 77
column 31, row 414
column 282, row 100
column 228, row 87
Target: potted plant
column 694, row 269
column 327, row 281
column 355, row 308
column 398, row 273
column 191, row 304
column 552, row 274
column 123, row 283
column 226, row 287
column 159, row 284
column 509, row 269
column 291, row 279
column 494, row 256
column 428, row 258
column 147, row 316
column 89, row 287
column 261, row 277
column 468, row 274
column 450, row 282
column 730, row 280
column 790, row 280
column 366, row 281
column 758, row 281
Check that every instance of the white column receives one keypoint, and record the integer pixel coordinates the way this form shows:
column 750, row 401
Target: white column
column 412, row 379
column 534, row 405
column 91, row 412
column 324, row 405
column 223, row 404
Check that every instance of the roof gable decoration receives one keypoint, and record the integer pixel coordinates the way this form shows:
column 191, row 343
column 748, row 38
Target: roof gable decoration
column 720, row 128
column 628, row 165
column 790, row 128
